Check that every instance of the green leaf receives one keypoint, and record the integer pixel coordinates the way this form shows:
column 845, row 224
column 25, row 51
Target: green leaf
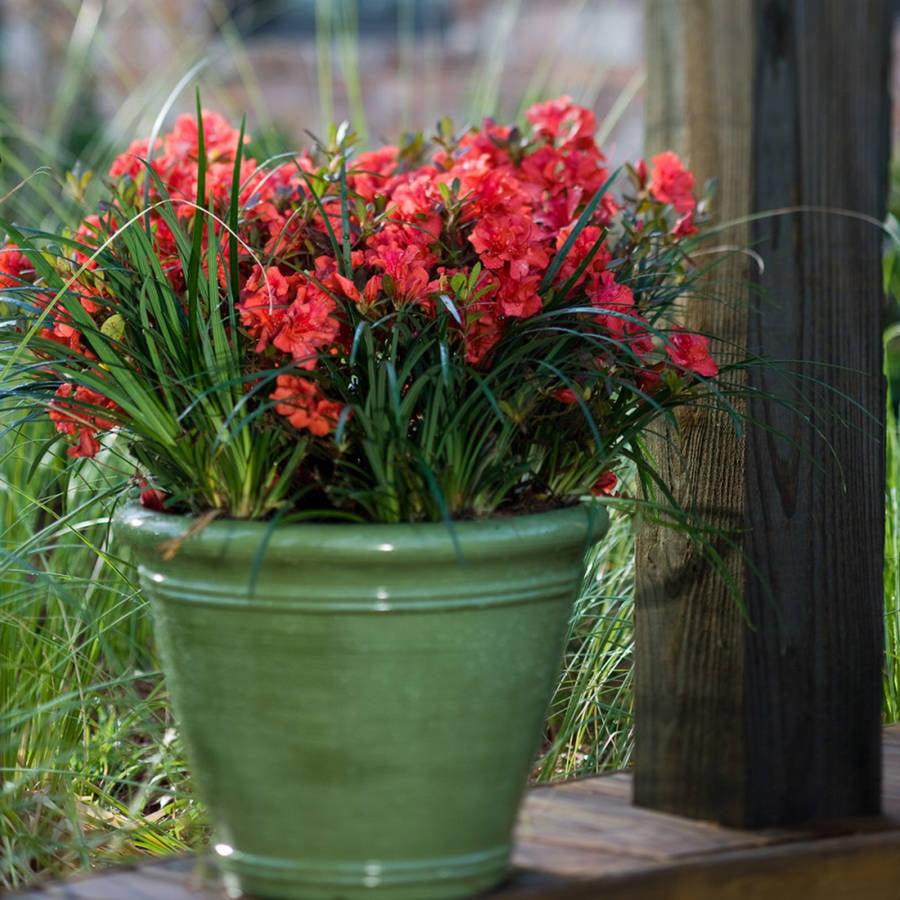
column 113, row 327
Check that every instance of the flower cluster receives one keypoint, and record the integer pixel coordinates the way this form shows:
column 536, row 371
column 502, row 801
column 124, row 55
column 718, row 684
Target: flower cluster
column 473, row 245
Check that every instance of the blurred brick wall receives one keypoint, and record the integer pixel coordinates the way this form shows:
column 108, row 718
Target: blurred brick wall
column 135, row 51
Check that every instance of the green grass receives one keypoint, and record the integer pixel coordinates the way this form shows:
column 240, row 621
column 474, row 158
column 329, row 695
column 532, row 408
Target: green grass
column 891, row 705
column 91, row 765
column 590, row 722
column 891, row 700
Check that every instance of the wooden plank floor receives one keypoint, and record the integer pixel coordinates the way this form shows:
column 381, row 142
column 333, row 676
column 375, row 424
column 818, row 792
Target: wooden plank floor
column 583, row 840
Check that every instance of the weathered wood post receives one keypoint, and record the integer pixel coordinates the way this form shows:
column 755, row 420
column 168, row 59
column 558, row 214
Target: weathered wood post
column 786, row 103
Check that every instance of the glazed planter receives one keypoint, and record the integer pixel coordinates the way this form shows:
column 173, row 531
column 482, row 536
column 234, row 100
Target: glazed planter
column 361, row 704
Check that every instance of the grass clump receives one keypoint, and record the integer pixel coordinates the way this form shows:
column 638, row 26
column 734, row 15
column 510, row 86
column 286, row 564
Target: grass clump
column 89, row 762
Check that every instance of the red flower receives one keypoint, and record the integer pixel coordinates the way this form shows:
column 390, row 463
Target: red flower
column 264, row 301
column 584, row 243
column 649, row 380
column 510, row 240
column 409, row 277
column 565, row 395
column 66, row 335
column 490, row 143
column 562, row 121
column 691, row 352
column 685, row 225
column 640, row 173
column 638, row 339
column 615, row 305
column 220, row 140
column 308, row 325
column 290, row 312
column 75, row 413
column 370, row 173
column 518, row 297
column 489, row 189
column 416, row 218
column 605, row 485
column 154, row 499
column 671, row 183
column 15, row 267
column 130, row 162
column 304, row 405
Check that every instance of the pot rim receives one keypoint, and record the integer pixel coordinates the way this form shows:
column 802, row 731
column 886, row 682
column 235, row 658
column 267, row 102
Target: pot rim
column 146, row 530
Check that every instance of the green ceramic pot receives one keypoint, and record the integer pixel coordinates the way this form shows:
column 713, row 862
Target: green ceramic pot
column 361, row 704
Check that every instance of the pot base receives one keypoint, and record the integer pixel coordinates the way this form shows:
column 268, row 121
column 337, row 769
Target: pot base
column 442, row 878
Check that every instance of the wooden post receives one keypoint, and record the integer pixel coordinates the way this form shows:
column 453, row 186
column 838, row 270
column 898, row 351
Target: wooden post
column 786, row 103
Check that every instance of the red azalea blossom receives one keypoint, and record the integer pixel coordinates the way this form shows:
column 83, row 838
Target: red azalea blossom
column 615, row 303
column 304, row 406
column 565, row 395
column 154, row 499
column 267, row 295
column 638, row 338
column 509, row 240
column 64, row 334
column 588, row 241
column 308, row 324
column 15, row 267
column 640, row 171
column 290, row 312
column 132, row 161
column 563, row 121
column 518, row 297
column 408, row 273
column 220, row 140
column 367, row 178
column 75, row 413
column 691, row 352
column 605, row 485
column 685, row 226
column 486, row 144
column 414, row 235
column 671, row 183
column 415, row 217
column 649, row 380
column 489, row 191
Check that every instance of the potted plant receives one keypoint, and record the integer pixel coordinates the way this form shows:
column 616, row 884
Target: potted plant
column 369, row 400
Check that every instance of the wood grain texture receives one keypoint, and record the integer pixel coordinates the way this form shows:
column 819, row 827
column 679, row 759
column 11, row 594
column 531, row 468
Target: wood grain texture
column 815, row 505
column 688, row 628
column 787, row 104
column 583, row 840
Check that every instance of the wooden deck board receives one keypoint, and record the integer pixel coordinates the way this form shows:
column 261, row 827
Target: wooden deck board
column 583, row 839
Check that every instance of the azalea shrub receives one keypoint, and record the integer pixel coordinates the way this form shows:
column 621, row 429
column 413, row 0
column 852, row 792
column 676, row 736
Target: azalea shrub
column 467, row 325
